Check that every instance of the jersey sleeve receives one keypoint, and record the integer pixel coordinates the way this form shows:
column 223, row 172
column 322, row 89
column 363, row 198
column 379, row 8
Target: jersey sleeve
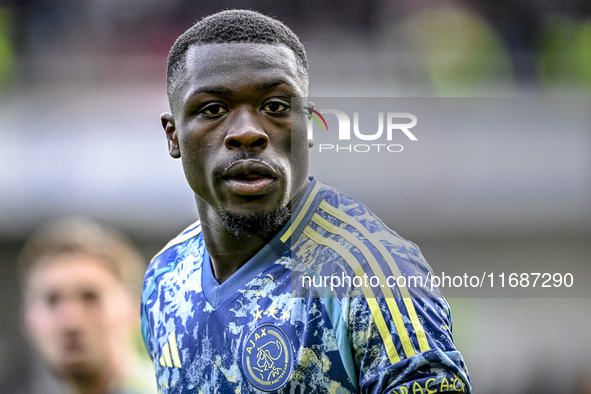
column 151, row 303
column 399, row 326
column 410, row 349
column 437, row 368
column 164, row 262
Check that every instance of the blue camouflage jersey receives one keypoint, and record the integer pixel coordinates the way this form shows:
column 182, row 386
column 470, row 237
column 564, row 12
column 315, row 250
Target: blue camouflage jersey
column 282, row 323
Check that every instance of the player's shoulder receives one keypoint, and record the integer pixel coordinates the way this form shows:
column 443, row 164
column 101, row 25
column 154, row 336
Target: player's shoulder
column 355, row 217
column 176, row 250
column 342, row 234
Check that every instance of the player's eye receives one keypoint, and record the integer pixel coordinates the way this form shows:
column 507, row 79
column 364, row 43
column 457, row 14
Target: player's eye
column 89, row 297
column 214, row 110
column 52, row 299
column 275, row 107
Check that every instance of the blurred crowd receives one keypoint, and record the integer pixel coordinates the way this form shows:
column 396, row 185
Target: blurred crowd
column 461, row 45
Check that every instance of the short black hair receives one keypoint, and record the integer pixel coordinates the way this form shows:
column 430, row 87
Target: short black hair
column 232, row 26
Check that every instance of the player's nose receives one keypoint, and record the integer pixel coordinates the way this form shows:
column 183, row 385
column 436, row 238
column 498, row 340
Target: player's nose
column 246, row 132
column 70, row 313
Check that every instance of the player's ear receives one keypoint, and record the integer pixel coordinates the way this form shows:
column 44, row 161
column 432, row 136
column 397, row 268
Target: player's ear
column 310, row 139
column 170, row 129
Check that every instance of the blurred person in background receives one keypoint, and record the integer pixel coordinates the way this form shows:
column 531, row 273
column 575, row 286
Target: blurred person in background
column 81, row 288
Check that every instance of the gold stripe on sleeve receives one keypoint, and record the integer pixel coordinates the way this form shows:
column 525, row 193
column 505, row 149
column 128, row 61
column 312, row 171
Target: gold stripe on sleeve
column 174, row 350
column 166, row 354
column 302, row 213
column 369, row 295
column 412, row 314
column 377, row 270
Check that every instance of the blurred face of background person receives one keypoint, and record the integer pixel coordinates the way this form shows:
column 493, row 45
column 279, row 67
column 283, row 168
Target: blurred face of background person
column 77, row 314
column 80, row 308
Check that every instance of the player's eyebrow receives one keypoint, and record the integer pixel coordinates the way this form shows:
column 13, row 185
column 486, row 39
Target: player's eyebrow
column 272, row 83
column 224, row 91
column 216, row 90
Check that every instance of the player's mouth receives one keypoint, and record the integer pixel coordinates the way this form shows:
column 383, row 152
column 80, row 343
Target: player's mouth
column 249, row 177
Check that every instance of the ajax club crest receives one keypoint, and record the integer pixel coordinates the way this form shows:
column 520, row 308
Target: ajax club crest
column 267, row 358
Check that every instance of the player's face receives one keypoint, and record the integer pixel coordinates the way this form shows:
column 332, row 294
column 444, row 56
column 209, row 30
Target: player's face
column 77, row 314
column 232, row 127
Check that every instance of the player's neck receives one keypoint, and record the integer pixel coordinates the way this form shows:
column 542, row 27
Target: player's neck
column 227, row 251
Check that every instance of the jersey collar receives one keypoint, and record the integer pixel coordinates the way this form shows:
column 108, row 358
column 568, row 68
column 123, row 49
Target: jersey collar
column 217, row 293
